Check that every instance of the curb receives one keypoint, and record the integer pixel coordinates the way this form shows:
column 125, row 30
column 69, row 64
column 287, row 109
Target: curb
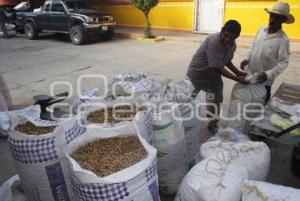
column 296, row 53
column 139, row 37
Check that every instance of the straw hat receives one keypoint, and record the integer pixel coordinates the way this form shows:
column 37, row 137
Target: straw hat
column 283, row 9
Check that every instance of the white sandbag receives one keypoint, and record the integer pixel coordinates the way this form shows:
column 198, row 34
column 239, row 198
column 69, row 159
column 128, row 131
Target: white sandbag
column 229, row 134
column 40, row 161
column 213, row 179
column 245, row 97
column 169, row 141
column 192, row 127
column 135, row 183
column 11, row 190
column 254, row 156
column 263, row 191
column 134, row 83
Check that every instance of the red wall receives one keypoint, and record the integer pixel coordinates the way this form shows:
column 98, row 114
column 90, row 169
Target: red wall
column 8, row 2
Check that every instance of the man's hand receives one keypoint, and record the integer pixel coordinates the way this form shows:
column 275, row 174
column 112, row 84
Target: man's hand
column 241, row 73
column 262, row 77
column 241, row 79
column 244, row 64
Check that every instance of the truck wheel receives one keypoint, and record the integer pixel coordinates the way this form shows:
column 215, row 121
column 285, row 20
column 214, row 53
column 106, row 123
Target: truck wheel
column 77, row 35
column 108, row 35
column 30, row 31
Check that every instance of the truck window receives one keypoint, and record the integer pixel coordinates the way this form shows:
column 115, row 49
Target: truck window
column 57, row 7
column 46, row 7
column 77, row 5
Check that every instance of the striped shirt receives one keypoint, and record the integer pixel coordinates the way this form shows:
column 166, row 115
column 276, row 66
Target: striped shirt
column 209, row 59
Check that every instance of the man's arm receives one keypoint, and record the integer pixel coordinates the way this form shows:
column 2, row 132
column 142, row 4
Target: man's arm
column 228, row 74
column 234, row 69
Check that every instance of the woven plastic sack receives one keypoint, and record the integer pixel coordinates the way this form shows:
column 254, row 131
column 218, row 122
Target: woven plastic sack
column 254, row 156
column 40, row 161
column 134, row 83
column 142, row 118
column 262, row 191
column 192, row 127
column 135, row 183
column 229, row 134
column 179, row 92
column 11, row 190
column 170, row 144
column 253, row 96
column 217, row 178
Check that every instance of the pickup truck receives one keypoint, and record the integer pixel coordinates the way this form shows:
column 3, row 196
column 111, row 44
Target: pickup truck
column 73, row 17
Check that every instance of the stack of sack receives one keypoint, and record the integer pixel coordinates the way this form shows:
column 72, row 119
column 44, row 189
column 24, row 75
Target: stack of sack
column 180, row 92
column 173, row 132
column 43, row 153
column 225, row 165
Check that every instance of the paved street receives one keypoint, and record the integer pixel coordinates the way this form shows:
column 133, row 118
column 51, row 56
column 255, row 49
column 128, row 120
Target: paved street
column 29, row 67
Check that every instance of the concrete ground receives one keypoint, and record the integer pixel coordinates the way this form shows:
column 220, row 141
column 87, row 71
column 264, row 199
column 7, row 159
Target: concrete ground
column 29, row 67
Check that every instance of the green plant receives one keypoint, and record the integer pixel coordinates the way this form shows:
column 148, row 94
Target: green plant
column 145, row 6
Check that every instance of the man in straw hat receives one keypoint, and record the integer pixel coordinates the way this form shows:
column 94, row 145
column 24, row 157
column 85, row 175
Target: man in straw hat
column 269, row 55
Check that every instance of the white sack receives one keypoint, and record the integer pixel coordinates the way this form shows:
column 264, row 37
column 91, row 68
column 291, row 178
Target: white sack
column 11, row 190
column 138, row 182
column 262, row 191
column 192, row 127
column 253, row 96
column 213, row 179
column 40, row 161
column 254, row 156
column 229, row 134
column 170, row 144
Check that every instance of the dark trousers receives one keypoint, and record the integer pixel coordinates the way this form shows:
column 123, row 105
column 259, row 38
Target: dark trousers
column 3, row 29
column 214, row 98
column 268, row 96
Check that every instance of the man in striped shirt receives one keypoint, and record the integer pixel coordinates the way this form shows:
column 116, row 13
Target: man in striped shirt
column 210, row 62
